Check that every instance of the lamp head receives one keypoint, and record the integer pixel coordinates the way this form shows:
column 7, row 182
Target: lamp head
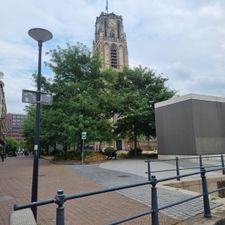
column 40, row 34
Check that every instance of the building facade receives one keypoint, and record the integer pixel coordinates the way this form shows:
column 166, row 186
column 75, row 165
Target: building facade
column 191, row 125
column 110, row 41
column 15, row 126
column 3, row 111
column 110, row 45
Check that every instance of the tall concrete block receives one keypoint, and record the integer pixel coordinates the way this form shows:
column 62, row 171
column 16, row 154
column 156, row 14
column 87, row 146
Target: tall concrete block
column 191, row 125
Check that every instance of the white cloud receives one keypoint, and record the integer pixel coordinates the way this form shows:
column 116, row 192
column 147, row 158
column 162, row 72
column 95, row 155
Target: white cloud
column 184, row 40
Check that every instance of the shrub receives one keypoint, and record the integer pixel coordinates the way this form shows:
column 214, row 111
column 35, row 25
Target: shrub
column 71, row 155
column 132, row 152
column 94, row 157
column 108, row 151
column 89, row 156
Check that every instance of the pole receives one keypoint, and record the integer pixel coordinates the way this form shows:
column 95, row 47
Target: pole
column 207, row 210
column 60, row 199
column 155, row 216
column 82, row 153
column 149, row 170
column 34, row 195
column 177, row 169
column 200, row 162
column 222, row 163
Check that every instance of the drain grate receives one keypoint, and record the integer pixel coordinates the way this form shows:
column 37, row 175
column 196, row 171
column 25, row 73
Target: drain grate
column 123, row 176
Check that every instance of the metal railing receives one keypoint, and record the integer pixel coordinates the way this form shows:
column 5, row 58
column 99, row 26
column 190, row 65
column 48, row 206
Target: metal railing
column 177, row 161
column 61, row 198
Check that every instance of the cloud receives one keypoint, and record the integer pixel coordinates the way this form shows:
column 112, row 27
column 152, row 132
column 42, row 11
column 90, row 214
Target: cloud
column 184, row 40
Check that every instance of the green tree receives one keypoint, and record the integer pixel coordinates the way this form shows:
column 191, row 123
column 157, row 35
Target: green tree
column 81, row 93
column 28, row 127
column 86, row 98
column 138, row 90
column 12, row 145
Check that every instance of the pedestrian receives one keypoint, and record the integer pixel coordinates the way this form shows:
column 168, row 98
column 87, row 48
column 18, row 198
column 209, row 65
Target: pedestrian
column 2, row 156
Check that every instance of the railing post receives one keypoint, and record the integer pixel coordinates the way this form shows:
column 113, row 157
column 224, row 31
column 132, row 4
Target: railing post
column 149, row 170
column 207, row 210
column 155, row 216
column 60, row 199
column 177, row 168
column 200, row 162
column 222, row 163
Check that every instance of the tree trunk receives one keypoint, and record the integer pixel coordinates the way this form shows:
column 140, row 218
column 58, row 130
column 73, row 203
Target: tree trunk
column 65, row 148
column 135, row 142
column 100, row 146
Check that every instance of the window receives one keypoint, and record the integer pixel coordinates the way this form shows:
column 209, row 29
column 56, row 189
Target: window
column 118, row 29
column 105, row 26
column 113, row 56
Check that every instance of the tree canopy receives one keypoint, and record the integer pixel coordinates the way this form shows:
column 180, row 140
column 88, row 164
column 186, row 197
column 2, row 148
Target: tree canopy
column 86, row 98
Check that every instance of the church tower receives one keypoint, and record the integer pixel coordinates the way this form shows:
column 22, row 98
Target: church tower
column 110, row 41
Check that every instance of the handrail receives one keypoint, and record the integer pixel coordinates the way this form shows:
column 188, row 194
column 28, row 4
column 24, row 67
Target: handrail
column 180, row 202
column 38, row 203
column 180, row 176
column 177, row 167
column 217, row 190
column 60, row 198
column 188, row 168
column 131, row 218
column 81, row 195
column 181, row 158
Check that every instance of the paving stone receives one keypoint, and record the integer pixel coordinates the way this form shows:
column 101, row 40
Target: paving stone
column 5, row 198
column 110, row 178
column 15, row 181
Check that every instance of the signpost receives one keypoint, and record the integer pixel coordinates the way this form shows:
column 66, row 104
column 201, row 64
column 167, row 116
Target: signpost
column 83, row 137
column 29, row 96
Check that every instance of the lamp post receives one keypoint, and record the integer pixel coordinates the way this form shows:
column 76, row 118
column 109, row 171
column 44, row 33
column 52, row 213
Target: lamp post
column 40, row 35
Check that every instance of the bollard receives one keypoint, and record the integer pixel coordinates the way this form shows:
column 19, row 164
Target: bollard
column 207, row 210
column 177, row 169
column 149, row 170
column 222, row 163
column 155, row 216
column 200, row 162
column 60, row 199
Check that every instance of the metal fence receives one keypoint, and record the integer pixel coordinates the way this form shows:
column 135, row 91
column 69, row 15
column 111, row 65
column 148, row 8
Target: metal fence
column 177, row 168
column 61, row 198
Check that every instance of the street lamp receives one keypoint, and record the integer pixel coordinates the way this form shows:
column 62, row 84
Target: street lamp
column 40, row 35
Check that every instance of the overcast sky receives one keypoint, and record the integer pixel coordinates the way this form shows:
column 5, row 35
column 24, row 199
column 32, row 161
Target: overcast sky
column 183, row 40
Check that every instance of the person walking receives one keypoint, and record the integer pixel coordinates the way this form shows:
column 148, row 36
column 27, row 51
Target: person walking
column 2, row 156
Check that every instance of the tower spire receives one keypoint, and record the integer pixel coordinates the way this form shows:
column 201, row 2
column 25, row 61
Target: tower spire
column 107, row 6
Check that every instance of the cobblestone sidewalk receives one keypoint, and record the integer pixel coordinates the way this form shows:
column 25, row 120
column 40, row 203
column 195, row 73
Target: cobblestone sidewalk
column 15, row 187
column 110, row 178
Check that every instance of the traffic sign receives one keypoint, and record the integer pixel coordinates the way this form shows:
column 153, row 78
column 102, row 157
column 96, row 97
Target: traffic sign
column 31, row 97
column 84, row 135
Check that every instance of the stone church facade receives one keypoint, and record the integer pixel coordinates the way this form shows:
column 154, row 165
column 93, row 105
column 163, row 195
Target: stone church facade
column 110, row 41
column 110, row 45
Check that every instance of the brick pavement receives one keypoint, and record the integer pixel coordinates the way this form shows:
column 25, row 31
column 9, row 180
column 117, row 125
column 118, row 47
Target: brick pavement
column 15, row 187
column 166, row 196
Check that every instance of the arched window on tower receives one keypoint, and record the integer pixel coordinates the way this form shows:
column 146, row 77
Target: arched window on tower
column 114, row 59
column 118, row 29
column 105, row 26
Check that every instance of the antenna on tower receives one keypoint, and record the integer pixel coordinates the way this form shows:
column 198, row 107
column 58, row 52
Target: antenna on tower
column 107, row 6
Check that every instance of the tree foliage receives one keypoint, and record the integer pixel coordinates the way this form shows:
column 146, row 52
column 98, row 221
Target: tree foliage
column 11, row 145
column 86, row 98
column 138, row 90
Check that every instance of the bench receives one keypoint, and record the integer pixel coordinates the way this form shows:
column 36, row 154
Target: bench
column 22, row 217
column 113, row 154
